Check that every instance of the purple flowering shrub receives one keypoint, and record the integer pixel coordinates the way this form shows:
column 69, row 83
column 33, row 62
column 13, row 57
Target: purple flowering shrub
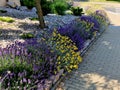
column 80, row 30
column 72, row 31
column 30, row 63
column 79, row 41
column 91, row 21
column 101, row 17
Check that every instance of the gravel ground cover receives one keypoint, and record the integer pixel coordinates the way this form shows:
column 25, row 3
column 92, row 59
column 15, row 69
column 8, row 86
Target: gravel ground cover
column 9, row 32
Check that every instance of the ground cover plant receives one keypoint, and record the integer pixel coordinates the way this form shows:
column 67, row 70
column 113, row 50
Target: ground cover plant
column 6, row 19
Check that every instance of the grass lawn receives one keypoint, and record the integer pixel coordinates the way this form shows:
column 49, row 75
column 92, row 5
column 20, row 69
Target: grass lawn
column 97, row 3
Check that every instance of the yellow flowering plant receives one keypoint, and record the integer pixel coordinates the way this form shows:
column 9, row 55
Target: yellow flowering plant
column 68, row 57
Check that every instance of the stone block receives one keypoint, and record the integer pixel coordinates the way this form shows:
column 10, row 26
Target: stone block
column 11, row 4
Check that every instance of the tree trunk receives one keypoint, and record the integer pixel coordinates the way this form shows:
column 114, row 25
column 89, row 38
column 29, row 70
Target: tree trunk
column 40, row 14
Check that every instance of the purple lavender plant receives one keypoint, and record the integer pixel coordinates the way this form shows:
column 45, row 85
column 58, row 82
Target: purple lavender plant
column 91, row 20
column 79, row 41
column 30, row 63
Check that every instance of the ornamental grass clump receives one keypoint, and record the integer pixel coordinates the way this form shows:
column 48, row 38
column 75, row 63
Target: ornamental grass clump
column 101, row 17
column 30, row 63
column 68, row 57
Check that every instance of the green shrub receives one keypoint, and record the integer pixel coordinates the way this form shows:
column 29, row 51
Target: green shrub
column 46, row 8
column 45, row 4
column 59, row 7
column 27, row 36
column 77, row 11
column 6, row 19
column 29, row 3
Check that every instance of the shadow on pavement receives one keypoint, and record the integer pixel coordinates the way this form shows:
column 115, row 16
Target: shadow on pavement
column 100, row 69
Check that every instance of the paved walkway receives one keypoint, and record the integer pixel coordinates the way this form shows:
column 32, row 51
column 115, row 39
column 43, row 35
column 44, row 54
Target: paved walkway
column 114, row 7
column 100, row 69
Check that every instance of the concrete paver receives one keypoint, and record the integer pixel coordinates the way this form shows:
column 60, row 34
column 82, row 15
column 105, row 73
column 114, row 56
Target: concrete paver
column 100, row 69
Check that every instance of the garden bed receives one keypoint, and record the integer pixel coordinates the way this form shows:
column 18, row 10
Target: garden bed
column 41, row 62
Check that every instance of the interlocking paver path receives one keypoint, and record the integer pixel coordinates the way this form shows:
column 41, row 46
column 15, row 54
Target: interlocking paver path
column 100, row 69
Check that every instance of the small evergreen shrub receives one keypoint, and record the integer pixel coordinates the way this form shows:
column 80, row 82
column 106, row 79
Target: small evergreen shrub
column 59, row 7
column 77, row 11
column 29, row 3
column 46, row 8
